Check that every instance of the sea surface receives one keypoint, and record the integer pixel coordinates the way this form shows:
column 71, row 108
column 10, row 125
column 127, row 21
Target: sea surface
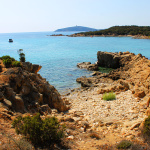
column 59, row 55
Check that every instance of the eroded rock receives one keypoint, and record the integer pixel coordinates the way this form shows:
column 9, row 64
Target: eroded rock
column 23, row 89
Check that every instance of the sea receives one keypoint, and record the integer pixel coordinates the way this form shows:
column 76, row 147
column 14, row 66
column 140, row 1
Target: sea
column 59, row 55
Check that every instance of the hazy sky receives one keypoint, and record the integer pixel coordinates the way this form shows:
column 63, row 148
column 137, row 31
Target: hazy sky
column 49, row 15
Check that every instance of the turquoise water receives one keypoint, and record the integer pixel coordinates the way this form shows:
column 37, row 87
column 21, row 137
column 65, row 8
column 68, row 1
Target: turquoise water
column 59, row 56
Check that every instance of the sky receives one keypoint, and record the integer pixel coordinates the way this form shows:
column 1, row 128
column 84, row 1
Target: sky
column 50, row 15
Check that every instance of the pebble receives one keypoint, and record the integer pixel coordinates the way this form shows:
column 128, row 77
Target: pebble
column 122, row 116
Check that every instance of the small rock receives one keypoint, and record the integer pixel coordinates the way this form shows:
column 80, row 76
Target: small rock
column 7, row 103
column 71, row 137
column 140, row 94
column 78, row 113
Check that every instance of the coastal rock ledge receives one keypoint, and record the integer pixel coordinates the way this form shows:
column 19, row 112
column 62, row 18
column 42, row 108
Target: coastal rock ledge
column 23, row 90
column 130, row 72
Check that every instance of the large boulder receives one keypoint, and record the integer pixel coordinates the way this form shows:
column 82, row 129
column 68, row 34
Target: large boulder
column 108, row 60
column 113, row 60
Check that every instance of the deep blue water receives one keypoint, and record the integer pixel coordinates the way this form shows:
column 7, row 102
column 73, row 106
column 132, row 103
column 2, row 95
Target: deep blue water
column 59, row 56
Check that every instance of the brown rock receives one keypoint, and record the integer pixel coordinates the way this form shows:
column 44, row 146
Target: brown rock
column 30, row 67
column 24, row 89
column 18, row 104
column 7, row 103
column 1, row 96
column 148, row 101
column 148, row 112
column 88, row 66
column 139, row 94
column 45, row 109
column 108, row 60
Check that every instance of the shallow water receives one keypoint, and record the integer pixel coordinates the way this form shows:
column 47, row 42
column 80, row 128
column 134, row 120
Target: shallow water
column 58, row 56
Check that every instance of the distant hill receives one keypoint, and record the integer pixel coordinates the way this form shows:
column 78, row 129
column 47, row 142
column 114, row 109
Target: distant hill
column 121, row 30
column 76, row 28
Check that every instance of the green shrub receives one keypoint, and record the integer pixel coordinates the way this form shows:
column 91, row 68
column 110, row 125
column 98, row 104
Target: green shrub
column 7, row 62
column 124, row 144
column 42, row 133
column 16, row 64
column 7, row 57
column 146, row 129
column 109, row 96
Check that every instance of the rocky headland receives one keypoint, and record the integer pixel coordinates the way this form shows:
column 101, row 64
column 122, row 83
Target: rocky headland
column 23, row 90
column 139, row 32
column 91, row 122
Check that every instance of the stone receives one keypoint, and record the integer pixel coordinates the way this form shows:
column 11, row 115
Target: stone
column 88, row 66
column 18, row 104
column 139, row 94
column 69, row 119
column 45, row 109
column 1, row 96
column 7, row 103
column 135, row 125
column 108, row 60
column 78, row 113
column 148, row 101
column 40, row 101
column 148, row 112
column 71, row 137
column 31, row 67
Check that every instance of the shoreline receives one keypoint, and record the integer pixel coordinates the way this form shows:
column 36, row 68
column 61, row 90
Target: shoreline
column 121, row 118
column 85, row 113
column 133, row 36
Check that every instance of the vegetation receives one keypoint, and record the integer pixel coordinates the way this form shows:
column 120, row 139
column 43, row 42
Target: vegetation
column 7, row 57
column 104, row 70
column 122, row 30
column 42, row 133
column 124, row 144
column 109, row 96
column 7, row 62
column 10, row 62
column 146, row 129
column 16, row 64
column 21, row 55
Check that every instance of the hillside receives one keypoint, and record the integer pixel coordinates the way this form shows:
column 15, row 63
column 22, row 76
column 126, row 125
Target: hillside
column 121, row 30
column 75, row 28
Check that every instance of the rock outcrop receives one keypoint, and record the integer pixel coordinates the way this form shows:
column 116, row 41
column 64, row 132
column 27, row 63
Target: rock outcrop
column 88, row 66
column 113, row 60
column 26, row 91
column 109, row 60
column 132, row 69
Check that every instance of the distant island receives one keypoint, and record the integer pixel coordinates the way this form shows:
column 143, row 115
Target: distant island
column 76, row 28
column 135, row 31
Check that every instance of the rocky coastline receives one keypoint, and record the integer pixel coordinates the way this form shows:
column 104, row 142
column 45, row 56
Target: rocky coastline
column 83, row 111
column 122, row 118
column 113, row 35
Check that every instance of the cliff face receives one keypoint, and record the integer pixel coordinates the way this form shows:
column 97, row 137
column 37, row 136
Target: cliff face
column 23, row 90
